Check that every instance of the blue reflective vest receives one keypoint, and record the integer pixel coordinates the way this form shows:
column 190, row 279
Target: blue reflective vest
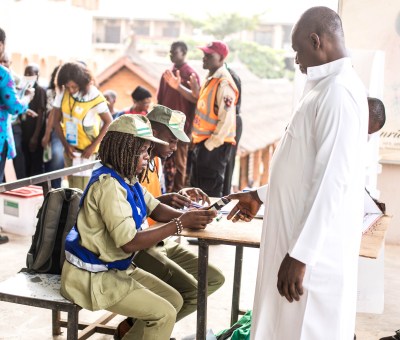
column 83, row 258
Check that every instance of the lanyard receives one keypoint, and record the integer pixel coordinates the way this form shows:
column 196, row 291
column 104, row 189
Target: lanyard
column 71, row 108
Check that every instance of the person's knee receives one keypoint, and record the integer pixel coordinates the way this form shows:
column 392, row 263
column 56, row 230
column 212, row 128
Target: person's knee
column 215, row 279
column 169, row 311
column 176, row 301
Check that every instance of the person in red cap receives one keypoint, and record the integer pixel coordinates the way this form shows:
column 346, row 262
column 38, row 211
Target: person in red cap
column 214, row 124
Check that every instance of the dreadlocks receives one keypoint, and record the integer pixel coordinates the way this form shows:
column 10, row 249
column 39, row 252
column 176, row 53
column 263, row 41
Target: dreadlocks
column 121, row 151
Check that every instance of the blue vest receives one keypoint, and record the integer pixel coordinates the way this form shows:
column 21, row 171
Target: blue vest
column 83, row 258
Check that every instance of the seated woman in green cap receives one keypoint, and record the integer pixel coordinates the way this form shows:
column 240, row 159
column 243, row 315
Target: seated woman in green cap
column 98, row 271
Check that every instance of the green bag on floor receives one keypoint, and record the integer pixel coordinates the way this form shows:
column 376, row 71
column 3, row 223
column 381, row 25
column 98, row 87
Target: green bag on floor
column 239, row 331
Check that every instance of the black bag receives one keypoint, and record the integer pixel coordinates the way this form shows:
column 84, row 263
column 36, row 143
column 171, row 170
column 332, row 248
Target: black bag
column 238, row 84
column 56, row 217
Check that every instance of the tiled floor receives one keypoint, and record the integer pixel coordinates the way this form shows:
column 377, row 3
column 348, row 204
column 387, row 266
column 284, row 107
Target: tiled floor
column 22, row 322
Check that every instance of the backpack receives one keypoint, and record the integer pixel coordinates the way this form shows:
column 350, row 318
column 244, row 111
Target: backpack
column 239, row 330
column 56, row 217
column 238, row 83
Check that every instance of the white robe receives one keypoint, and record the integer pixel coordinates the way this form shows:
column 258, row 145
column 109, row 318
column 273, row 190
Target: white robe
column 314, row 211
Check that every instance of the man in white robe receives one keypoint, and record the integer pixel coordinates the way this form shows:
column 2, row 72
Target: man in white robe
column 307, row 275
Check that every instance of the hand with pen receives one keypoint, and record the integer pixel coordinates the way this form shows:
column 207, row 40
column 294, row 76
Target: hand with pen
column 196, row 195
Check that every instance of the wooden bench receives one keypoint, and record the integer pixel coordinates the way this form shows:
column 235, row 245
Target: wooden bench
column 43, row 291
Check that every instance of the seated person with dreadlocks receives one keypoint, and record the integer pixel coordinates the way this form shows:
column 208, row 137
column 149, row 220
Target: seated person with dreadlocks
column 171, row 262
column 98, row 272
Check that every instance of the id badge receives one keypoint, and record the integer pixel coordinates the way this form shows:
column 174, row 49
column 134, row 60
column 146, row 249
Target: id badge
column 72, row 133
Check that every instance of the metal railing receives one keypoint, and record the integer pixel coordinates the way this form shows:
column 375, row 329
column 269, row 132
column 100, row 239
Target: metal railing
column 45, row 179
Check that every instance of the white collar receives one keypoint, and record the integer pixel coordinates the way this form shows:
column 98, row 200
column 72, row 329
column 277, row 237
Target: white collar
column 321, row 71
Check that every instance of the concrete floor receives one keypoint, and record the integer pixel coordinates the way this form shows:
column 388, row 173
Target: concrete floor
column 23, row 322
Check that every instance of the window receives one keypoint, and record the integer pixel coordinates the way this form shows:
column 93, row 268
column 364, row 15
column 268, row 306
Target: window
column 142, row 27
column 112, row 34
column 171, row 30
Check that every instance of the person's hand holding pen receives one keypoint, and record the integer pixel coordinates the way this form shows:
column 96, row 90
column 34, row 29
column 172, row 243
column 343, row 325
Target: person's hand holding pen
column 196, row 195
column 247, row 207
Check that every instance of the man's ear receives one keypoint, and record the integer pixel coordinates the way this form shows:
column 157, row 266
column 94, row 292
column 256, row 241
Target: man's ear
column 155, row 133
column 315, row 41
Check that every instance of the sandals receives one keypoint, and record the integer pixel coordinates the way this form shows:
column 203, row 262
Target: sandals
column 122, row 328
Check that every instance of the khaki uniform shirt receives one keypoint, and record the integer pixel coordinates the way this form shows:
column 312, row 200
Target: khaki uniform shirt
column 226, row 114
column 105, row 224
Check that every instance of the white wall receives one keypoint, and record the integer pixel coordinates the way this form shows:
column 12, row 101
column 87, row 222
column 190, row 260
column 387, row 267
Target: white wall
column 371, row 25
column 47, row 29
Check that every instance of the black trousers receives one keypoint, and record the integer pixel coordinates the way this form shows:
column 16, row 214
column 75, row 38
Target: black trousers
column 208, row 168
column 19, row 159
column 231, row 163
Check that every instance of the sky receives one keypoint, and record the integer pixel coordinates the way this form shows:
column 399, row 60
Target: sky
column 155, row 8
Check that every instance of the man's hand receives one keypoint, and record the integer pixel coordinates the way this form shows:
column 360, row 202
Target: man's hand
column 194, row 85
column 195, row 194
column 290, row 278
column 247, row 207
column 31, row 113
column 45, row 141
column 174, row 200
column 172, row 80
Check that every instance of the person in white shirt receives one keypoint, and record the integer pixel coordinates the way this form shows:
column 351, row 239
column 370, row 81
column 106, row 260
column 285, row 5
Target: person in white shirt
column 307, row 275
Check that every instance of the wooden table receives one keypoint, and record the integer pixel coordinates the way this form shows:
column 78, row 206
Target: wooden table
column 239, row 234
column 248, row 234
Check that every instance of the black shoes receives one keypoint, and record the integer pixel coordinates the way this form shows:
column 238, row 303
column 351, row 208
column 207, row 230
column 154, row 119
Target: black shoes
column 194, row 241
column 3, row 239
column 392, row 337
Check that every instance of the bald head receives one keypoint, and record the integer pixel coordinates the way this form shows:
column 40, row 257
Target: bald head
column 322, row 21
column 317, row 38
column 377, row 115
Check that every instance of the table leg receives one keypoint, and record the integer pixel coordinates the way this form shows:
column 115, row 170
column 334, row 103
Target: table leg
column 237, row 279
column 72, row 324
column 56, row 322
column 202, row 280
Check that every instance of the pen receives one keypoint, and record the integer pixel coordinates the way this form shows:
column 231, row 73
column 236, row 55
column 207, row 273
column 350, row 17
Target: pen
column 219, row 216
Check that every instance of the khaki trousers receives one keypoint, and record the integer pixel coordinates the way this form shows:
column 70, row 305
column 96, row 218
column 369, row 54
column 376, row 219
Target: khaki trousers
column 154, row 306
column 178, row 267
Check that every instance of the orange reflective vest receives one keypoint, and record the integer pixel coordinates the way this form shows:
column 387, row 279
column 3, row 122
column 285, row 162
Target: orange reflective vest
column 154, row 185
column 206, row 119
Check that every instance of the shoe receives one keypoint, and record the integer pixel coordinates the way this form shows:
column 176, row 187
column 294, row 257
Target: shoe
column 3, row 239
column 194, row 241
column 122, row 328
column 393, row 337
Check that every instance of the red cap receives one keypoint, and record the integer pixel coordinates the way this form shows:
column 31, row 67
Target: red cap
column 216, row 47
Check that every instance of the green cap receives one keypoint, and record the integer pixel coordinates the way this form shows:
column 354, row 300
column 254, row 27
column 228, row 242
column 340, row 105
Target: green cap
column 173, row 119
column 135, row 124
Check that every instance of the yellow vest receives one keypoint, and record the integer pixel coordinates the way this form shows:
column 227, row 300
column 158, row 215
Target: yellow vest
column 76, row 111
column 206, row 119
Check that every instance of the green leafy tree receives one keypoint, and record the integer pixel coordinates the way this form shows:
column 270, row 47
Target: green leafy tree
column 223, row 25
column 263, row 61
